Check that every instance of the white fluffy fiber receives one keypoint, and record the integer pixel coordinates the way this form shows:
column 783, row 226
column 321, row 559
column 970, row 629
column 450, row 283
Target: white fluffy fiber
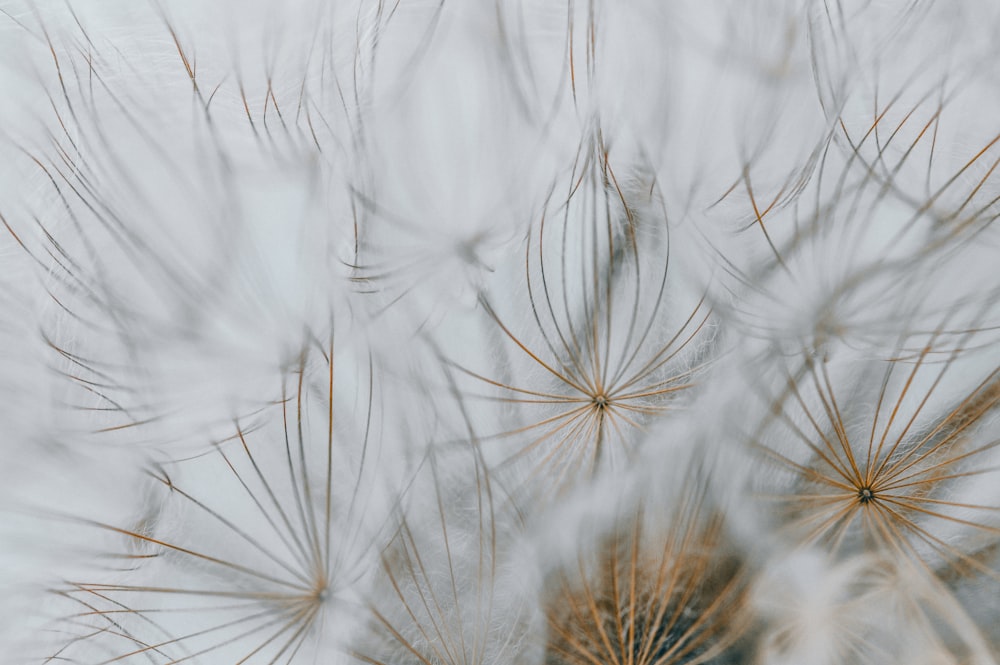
column 373, row 317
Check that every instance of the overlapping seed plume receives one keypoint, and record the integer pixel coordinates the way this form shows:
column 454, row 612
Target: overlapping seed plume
column 445, row 333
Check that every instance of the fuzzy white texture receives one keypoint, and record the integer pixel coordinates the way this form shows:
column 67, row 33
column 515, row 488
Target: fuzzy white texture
column 449, row 333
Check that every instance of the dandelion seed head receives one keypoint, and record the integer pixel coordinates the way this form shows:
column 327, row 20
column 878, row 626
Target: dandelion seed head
column 430, row 333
